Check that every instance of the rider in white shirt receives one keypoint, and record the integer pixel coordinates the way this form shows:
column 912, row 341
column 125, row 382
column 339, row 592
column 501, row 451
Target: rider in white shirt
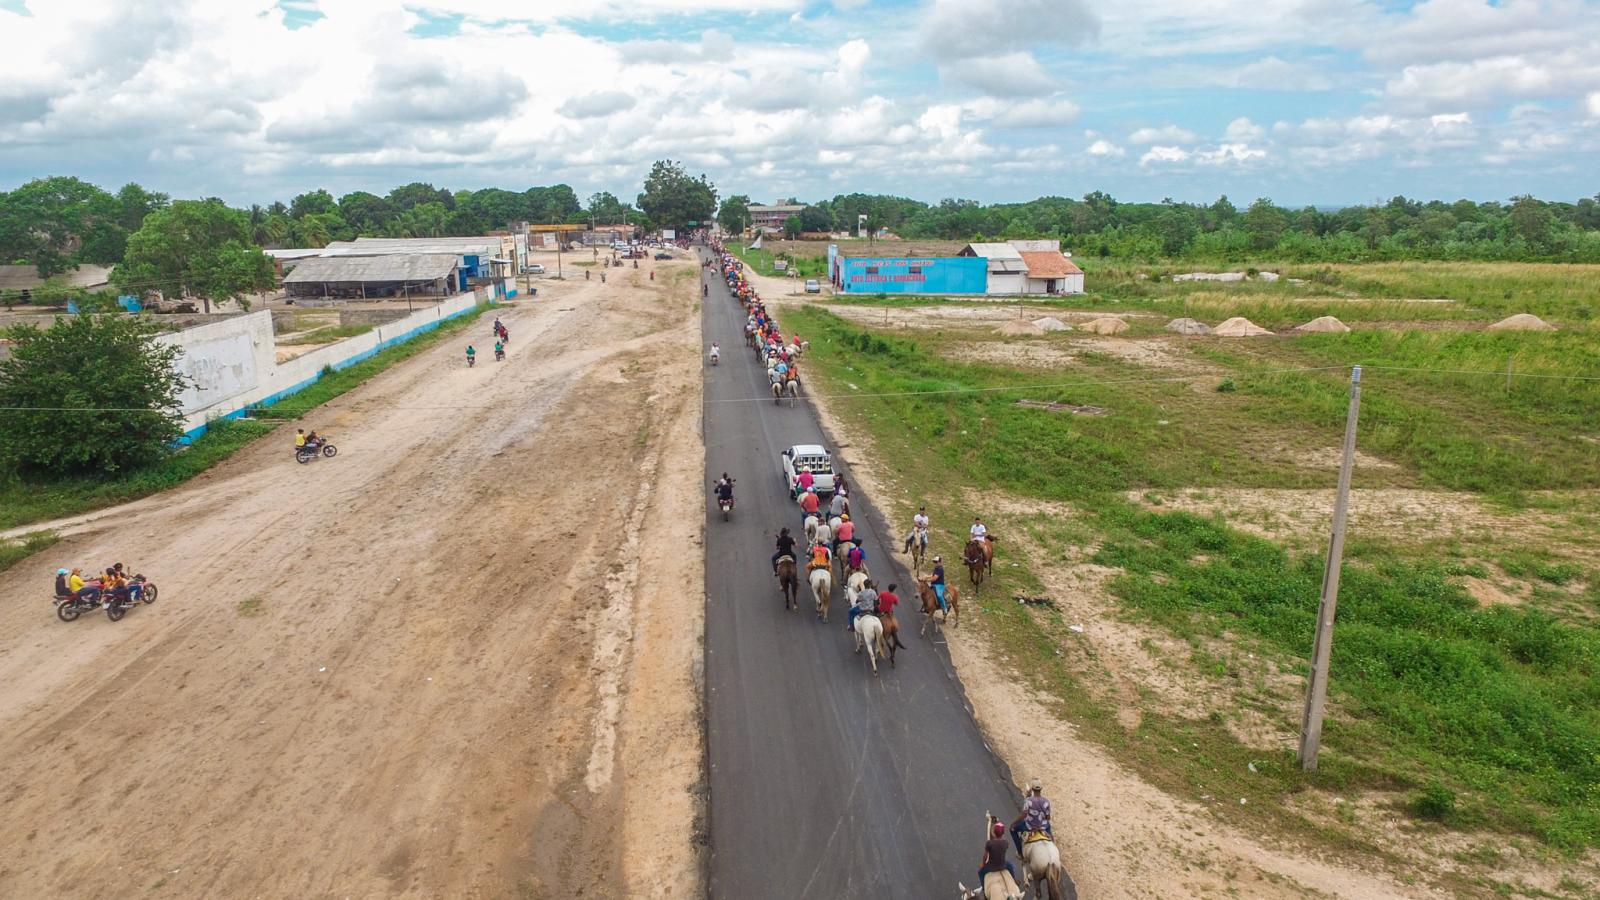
column 979, row 531
column 919, row 529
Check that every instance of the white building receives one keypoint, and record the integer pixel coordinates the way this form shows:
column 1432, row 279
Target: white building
column 1007, row 272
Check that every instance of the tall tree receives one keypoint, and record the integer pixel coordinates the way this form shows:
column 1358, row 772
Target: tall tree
column 56, row 223
column 311, row 203
column 194, row 248
column 734, row 213
column 672, row 198
column 134, row 203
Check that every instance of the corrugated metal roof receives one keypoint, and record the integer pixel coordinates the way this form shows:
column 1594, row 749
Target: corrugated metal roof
column 293, row 252
column 474, row 246
column 995, row 251
column 334, row 269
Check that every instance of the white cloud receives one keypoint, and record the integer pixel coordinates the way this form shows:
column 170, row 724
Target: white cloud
column 1010, row 75
column 1229, row 153
column 962, row 29
column 1594, row 105
column 1242, row 129
column 1039, row 112
column 1164, row 155
column 600, row 103
column 1166, row 134
column 1104, row 147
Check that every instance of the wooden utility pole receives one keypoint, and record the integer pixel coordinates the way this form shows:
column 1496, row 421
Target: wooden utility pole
column 1322, row 650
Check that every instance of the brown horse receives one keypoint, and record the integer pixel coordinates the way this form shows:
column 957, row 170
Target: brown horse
column 788, row 582
column 891, row 634
column 930, row 603
column 979, row 557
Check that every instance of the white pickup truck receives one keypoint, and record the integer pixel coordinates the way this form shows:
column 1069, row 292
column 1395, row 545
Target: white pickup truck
column 811, row 458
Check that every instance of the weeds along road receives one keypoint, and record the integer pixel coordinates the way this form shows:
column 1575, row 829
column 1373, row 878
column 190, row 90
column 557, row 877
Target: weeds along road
column 455, row 660
column 825, row 781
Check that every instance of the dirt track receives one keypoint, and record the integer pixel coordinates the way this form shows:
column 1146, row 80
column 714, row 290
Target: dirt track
column 432, row 666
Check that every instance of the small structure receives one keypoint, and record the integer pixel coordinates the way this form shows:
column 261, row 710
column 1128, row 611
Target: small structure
column 367, row 277
column 284, row 261
column 1008, row 274
column 772, row 217
column 1049, row 272
column 26, row 278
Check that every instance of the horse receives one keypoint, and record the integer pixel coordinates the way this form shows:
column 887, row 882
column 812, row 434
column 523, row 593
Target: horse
column 811, row 530
column 822, row 589
column 930, row 604
column 1041, row 866
column 777, row 392
column 891, row 634
column 919, row 549
column 791, row 386
column 788, row 582
column 979, row 557
column 853, row 586
column 869, row 631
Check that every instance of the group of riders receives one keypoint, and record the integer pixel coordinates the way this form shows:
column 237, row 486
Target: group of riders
column 115, row 583
column 502, row 336
column 828, row 528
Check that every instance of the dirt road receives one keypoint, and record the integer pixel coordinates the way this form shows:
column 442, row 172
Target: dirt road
column 456, row 660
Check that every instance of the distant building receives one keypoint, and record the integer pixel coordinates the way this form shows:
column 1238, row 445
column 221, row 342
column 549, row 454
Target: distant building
column 1007, row 272
column 1010, row 268
column 371, row 277
column 772, row 217
column 26, row 278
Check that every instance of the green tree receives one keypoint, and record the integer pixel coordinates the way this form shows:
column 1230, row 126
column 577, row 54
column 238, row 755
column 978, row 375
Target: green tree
column 365, row 212
column 1265, row 223
column 816, row 218
column 792, row 227
column 134, row 203
column 88, row 395
column 417, row 193
column 194, row 248
column 312, row 203
column 672, row 198
column 734, row 214
column 605, row 208
column 56, row 223
column 1531, row 220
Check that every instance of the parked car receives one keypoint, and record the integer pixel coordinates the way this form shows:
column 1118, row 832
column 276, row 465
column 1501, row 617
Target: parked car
column 663, row 256
column 535, row 268
column 812, row 457
column 813, row 286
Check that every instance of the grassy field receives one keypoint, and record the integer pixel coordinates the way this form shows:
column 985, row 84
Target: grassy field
column 22, row 503
column 13, row 552
column 1468, row 716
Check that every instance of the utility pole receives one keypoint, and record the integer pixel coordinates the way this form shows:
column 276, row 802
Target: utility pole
column 559, row 235
column 1322, row 650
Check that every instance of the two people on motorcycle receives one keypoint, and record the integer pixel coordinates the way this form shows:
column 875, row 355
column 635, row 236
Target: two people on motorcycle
column 472, row 355
column 305, row 441
column 724, row 489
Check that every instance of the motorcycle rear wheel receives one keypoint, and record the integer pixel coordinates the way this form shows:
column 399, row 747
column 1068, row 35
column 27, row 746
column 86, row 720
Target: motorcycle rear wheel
column 116, row 611
column 303, row 456
column 68, row 612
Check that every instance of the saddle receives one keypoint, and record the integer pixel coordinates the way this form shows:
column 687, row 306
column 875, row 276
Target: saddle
column 1034, row 837
column 786, row 558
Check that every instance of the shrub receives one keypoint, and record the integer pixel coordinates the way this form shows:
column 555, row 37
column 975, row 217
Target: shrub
column 89, row 394
column 1434, row 802
column 1227, row 386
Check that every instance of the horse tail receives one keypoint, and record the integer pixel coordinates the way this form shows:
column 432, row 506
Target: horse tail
column 1052, row 881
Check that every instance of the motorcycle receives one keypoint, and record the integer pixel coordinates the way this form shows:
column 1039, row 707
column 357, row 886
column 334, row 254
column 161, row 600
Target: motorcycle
column 309, row 452
column 472, row 361
column 716, row 356
column 139, row 590
column 726, row 505
column 499, row 356
column 70, row 606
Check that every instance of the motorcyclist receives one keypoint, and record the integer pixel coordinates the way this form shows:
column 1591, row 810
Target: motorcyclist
column 1035, row 815
column 313, row 442
column 716, row 352
column 299, row 438
column 724, row 490
column 499, row 350
column 63, row 590
column 472, row 355
column 785, row 545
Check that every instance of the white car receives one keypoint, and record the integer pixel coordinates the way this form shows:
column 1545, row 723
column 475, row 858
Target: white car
column 813, row 286
column 535, row 268
column 811, row 458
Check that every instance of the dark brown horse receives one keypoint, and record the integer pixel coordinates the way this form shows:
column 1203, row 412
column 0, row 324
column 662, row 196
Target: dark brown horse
column 930, row 603
column 979, row 557
column 891, row 634
column 788, row 582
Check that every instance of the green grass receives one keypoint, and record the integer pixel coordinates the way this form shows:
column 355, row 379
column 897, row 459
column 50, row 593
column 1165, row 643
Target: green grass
column 13, row 552
column 1496, row 708
column 762, row 261
column 23, row 502
column 327, row 335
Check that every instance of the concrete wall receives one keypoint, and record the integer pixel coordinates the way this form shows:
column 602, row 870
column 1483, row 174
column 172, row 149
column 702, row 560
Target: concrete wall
column 1006, row 282
column 937, row 275
column 236, row 359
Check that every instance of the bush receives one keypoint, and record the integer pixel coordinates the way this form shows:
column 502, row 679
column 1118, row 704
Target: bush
column 1227, row 386
column 89, row 394
column 1434, row 802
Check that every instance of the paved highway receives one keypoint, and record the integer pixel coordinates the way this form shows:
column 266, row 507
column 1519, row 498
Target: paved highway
column 825, row 781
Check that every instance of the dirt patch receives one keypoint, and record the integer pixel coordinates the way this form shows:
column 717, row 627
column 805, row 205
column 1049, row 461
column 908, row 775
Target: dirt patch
column 1020, row 354
column 1300, row 517
column 1104, row 325
column 1017, row 327
column 1152, row 353
column 471, row 673
column 953, row 316
column 1239, row 326
column 1487, row 593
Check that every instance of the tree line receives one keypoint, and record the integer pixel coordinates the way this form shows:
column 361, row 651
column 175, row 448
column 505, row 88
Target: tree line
column 1524, row 228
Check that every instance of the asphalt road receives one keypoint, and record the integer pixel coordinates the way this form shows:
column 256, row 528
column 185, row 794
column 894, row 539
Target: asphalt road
column 825, row 781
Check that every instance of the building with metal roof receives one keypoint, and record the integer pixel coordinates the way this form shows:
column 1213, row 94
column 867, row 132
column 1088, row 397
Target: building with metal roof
column 366, row 277
column 1009, row 268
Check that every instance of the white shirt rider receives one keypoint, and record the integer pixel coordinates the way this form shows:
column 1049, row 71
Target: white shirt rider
column 980, row 532
column 919, row 522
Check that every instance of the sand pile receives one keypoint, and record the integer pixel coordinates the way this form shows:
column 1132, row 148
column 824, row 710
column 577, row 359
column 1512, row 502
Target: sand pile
column 1522, row 322
column 1325, row 325
column 1188, row 326
column 1239, row 326
column 1019, row 327
column 1104, row 325
column 1051, row 323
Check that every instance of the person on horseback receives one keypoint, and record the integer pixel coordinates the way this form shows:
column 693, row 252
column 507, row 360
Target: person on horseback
column 820, row 557
column 866, row 605
column 805, row 480
column 845, row 533
column 936, row 581
column 919, row 529
column 808, row 503
column 785, row 545
column 994, row 855
column 1035, row 815
column 838, row 506
column 856, row 558
column 979, row 531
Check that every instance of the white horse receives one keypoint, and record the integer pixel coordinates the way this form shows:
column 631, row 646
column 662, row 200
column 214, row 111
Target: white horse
column 1041, row 867
column 811, row 530
column 869, row 632
column 792, row 388
column 822, row 589
column 853, row 585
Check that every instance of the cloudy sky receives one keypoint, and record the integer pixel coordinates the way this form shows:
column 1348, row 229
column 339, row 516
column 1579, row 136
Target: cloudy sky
column 1305, row 101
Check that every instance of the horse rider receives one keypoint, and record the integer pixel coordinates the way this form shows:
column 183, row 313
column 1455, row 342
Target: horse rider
column 820, row 557
column 886, row 603
column 1035, row 815
column 979, row 531
column 936, row 581
column 994, row 856
column 846, row 532
column 805, row 480
column 824, row 534
column 785, row 545
column 808, row 503
column 866, row 605
column 856, row 558
column 838, row 505
column 919, row 529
